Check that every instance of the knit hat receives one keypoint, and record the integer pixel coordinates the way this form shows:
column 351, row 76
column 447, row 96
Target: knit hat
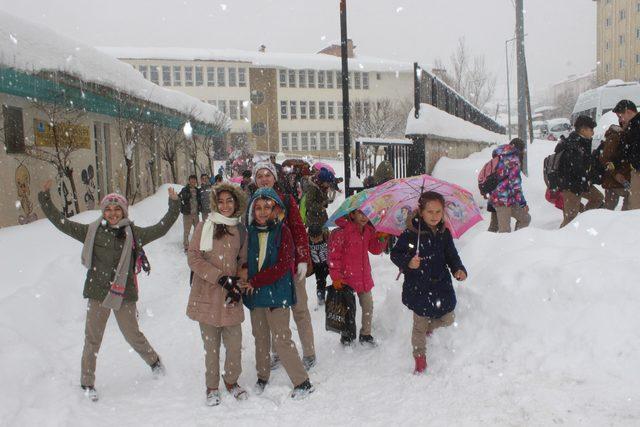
column 326, row 176
column 265, row 165
column 115, row 199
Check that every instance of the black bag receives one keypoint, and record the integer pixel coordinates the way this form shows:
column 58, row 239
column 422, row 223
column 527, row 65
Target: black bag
column 340, row 311
column 552, row 172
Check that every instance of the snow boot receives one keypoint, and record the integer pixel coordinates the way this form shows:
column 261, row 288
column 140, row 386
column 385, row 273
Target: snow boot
column 157, row 369
column 309, row 362
column 90, row 392
column 303, row 390
column 238, row 392
column 275, row 362
column 421, row 364
column 345, row 341
column 259, row 387
column 368, row 340
column 213, row 397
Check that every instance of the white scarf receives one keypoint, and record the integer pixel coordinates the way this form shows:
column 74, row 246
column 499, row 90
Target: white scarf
column 206, row 239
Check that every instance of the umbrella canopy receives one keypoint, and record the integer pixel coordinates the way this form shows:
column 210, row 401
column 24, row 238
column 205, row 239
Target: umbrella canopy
column 319, row 165
column 236, row 179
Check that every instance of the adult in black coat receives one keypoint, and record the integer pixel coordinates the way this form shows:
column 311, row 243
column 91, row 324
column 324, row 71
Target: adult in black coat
column 627, row 113
column 190, row 208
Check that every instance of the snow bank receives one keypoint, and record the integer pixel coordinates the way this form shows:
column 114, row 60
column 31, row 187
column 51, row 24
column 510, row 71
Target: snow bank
column 32, row 48
column 435, row 122
column 259, row 59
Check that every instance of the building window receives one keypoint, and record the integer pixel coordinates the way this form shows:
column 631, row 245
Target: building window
column 638, row 33
column 332, row 141
column 323, row 141
column 233, row 82
column 313, row 141
column 623, row 14
column 358, row 108
column 242, row 77
column 302, row 78
column 222, row 106
column 177, row 75
column 607, row 67
column 606, row 45
column 211, row 76
column 311, row 78
column 283, row 109
column 350, row 80
column 221, row 77
column 292, row 78
column 356, row 80
column 233, row 110
column 339, row 110
column 331, row 110
column 244, row 110
column 199, row 76
column 294, row 141
column 303, row 110
column 284, row 141
column 304, row 140
column 638, row 7
column 154, row 76
column 144, row 70
column 293, row 109
column 378, row 76
column 329, row 79
column 365, row 80
column 283, row 78
column 322, row 110
column 321, row 79
column 340, row 140
column 339, row 79
column 621, row 39
column 166, row 75
column 637, row 58
column 312, row 110
column 13, row 129
column 621, row 63
column 188, row 76
column 607, row 22
column 366, row 108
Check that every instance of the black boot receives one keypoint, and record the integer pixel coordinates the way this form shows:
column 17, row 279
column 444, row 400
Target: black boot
column 303, row 390
column 368, row 340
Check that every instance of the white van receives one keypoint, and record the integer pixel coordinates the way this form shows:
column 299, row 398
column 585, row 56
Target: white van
column 596, row 102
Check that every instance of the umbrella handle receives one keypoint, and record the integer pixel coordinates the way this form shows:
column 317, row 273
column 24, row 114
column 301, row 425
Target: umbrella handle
column 399, row 274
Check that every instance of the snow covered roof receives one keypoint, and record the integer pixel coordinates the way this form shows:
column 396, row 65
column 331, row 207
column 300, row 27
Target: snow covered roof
column 316, row 61
column 33, row 48
column 435, row 122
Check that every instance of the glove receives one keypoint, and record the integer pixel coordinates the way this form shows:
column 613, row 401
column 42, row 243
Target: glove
column 626, row 185
column 233, row 295
column 337, row 285
column 381, row 236
column 302, row 271
column 610, row 166
column 228, row 282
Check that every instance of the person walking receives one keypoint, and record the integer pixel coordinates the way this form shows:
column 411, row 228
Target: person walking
column 216, row 253
column 318, row 245
column 616, row 174
column 113, row 254
column 627, row 113
column 190, row 207
column 271, row 291
column 205, row 195
column 317, row 198
column 427, row 256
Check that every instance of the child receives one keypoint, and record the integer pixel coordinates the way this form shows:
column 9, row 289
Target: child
column 349, row 264
column 318, row 247
column 216, row 251
column 271, row 291
column 427, row 288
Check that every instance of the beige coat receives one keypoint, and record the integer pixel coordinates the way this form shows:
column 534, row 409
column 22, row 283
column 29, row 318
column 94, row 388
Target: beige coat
column 206, row 300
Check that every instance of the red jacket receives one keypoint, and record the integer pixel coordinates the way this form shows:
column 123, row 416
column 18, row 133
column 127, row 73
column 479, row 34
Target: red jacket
column 348, row 254
column 298, row 231
column 285, row 262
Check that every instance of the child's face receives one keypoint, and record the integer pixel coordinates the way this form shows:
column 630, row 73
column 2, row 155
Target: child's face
column 262, row 211
column 359, row 218
column 432, row 213
column 226, row 204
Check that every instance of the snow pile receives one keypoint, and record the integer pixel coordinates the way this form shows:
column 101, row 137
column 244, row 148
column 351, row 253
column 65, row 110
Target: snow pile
column 259, row 59
column 546, row 333
column 32, row 48
column 432, row 121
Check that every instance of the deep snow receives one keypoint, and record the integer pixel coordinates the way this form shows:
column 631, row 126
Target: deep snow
column 546, row 333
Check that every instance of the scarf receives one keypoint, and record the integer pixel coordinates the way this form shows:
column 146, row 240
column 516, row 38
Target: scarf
column 114, row 298
column 206, row 239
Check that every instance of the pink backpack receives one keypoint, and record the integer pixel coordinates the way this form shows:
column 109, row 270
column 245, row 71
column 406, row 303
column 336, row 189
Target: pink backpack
column 488, row 178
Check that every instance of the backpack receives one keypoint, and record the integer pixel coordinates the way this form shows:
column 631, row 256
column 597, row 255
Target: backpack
column 488, row 178
column 598, row 170
column 552, row 172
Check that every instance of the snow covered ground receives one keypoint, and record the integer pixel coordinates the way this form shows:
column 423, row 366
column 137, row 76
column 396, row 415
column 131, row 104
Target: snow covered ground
column 546, row 333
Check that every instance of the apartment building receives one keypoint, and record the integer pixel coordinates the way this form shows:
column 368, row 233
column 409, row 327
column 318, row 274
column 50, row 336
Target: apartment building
column 279, row 102
column 618, row 40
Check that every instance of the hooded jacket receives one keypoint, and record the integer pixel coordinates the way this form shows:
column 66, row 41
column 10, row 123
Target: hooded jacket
column 509, row 190
column 576, row 163
column 229, row 252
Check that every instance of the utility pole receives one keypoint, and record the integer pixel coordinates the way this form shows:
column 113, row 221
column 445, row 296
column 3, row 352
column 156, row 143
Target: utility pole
column 522, row 79
column 345, row 96
column 506, row 57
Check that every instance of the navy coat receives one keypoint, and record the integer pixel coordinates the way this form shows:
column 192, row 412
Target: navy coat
column 427, row 290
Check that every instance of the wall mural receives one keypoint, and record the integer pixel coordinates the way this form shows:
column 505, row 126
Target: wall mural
column 65, row 195
column 88, row 179
column 23, row 186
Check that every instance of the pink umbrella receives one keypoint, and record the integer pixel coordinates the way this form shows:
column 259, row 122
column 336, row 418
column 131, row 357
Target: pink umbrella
column 319, row 165
column 388, row 205
column 236, row 179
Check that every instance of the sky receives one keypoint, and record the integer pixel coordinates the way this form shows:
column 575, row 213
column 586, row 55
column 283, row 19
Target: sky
column 561, row 34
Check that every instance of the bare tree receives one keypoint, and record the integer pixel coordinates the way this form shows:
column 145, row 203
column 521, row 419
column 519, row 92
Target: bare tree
column 63, row 133
column 382, row 118
column 170, row 141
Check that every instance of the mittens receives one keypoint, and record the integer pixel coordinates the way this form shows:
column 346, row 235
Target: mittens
column 228, row 282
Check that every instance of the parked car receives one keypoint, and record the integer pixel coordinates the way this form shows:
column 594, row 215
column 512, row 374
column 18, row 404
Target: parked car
column 557, row 128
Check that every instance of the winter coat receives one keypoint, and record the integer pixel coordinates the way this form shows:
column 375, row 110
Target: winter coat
column 273, row 281
column 427, row 290
column 610, row 152
column 185, row 200
column 384, row 172
column 509, row 190
column 631, row 144
column 205, row 198
column 108, row 246
column 294, row 223
column 317, row 203
column 348, row 254
column 576, row 163
column 206, row 299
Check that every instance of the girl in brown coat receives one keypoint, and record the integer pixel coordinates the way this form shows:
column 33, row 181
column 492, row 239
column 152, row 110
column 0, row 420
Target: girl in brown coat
column 617, row 174
column 216, row 253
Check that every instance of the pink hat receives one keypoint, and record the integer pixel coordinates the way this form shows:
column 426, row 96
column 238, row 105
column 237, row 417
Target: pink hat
column 115, row 199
